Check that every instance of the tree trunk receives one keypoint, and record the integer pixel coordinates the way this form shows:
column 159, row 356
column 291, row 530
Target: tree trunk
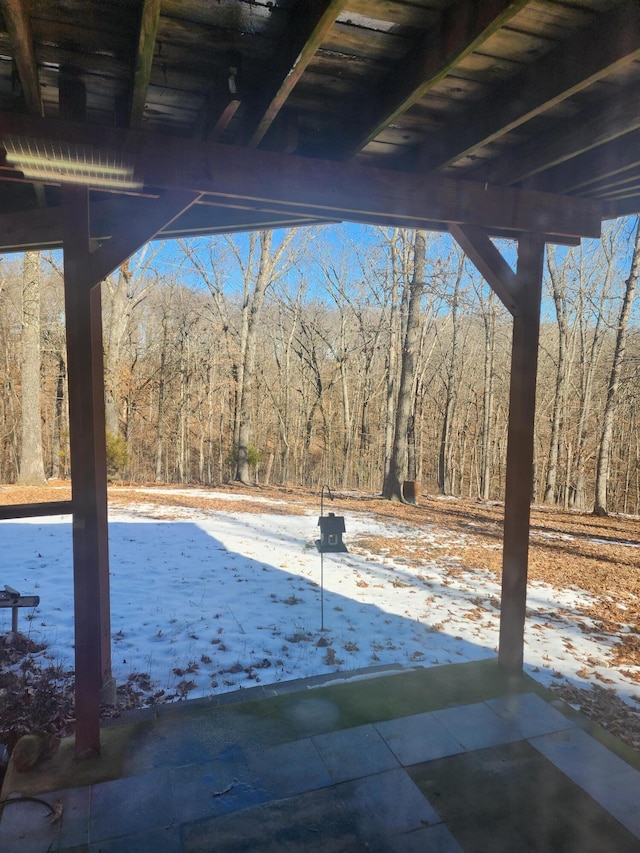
column 604, row 452
column 31, row 471
column 489, row 317
column 445, row 484
column 559, row 292
column 392, row 361
column 58, row 418
column 392, row 487
column 160, row 407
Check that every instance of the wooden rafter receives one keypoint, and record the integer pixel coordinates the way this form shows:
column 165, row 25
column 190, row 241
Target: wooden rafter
column 582, row 133
column 19, row 28
column 605, row 162
column 223, row 119
column 613, row 184
column 320, row 187
column 463, row 28
column 306, row 33
column 590, row 55
column 149, row 18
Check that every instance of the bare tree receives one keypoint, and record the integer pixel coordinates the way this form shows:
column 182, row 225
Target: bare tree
column 392, row 486
column 122, row 293
column 559, row 280
column 488, row 308
column 595, row 272
column 604, row 453
column 445, row 474
column 31, row 459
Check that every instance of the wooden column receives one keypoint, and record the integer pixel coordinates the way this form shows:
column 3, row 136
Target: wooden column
column 519, row 474
column 88, row 473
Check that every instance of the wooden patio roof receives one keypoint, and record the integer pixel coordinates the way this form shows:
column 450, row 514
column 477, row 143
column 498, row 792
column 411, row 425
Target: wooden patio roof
column 237, row 114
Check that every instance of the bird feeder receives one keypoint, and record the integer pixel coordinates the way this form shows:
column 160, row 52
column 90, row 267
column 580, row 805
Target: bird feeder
column 331, row 530
column 330, row 542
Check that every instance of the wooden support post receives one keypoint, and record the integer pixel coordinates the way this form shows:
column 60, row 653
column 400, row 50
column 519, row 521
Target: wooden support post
column 519, row 475
column 87, row 442
column 88, row 474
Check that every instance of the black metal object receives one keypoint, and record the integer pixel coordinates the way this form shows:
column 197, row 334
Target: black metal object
column 10, row 597
column 330, row 541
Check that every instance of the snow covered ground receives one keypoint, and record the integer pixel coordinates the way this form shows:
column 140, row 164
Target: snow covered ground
column 212, row 601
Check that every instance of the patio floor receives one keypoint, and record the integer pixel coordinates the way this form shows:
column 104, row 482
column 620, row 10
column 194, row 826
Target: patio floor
column 445, row 759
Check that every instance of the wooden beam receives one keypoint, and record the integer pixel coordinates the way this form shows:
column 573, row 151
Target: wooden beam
column 575, row 64
column 612, row 119
column 41, row 229
column 9, row 511
column 464, row 26
column 487, row 259
column 149, row 18
column 625, row 207
column 323, row 188
column 519, row 472
column 309, row 25
column 38, row 229
column 133, row 232
column 16, row 18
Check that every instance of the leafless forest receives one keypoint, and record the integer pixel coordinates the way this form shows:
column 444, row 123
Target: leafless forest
column 352, row 356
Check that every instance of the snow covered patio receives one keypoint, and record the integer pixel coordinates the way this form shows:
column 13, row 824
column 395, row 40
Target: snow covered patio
column 450, row 758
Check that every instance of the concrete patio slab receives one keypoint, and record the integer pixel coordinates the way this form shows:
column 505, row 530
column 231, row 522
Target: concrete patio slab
column 476, row 726
column 132, row 804
column 604, row 776
column 353, row 753
column 364, row 765
column 529, row 714
column 510, row 797
column 420, row 737
column 314, row 822
column 287, row 769
column 386, row 805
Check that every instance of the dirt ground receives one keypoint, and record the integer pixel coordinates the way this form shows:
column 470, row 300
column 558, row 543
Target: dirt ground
column 569, row 550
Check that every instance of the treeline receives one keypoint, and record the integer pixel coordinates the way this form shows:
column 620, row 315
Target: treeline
column 279, row 357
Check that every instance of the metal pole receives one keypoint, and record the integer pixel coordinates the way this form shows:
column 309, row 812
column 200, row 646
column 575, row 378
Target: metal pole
column 322, row 556
column 321, row 591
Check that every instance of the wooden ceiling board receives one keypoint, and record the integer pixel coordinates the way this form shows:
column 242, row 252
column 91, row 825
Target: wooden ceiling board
column 517, row 46
column 204, row 41
column 485, row 68
column 366, row 44
column 403, row 85
column 552, row 20
column 418, row 15
column 76, row 36
column 352, row 67
column 242, row 15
